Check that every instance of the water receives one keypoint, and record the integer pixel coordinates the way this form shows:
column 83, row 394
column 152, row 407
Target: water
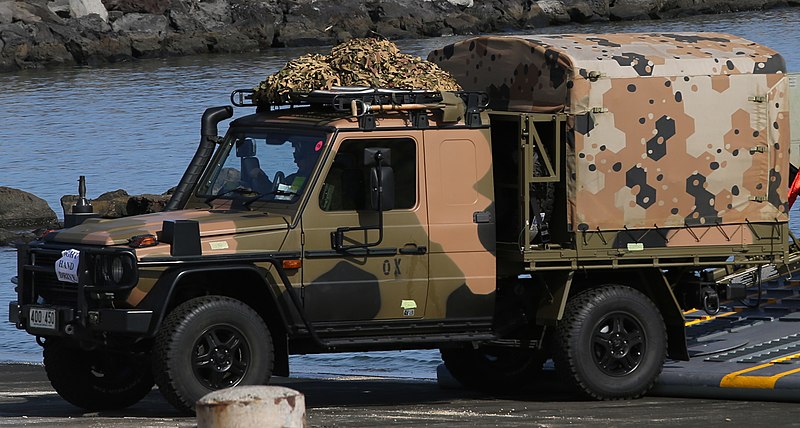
column 135, row 126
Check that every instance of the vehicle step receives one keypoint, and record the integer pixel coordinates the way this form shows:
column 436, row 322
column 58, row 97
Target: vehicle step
column 383, row 340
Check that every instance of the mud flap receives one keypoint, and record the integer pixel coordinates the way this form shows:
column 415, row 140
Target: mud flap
column 657, row 288
column 551, row 306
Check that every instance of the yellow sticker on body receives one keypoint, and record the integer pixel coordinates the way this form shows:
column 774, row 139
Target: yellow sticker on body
column 408, row 304
column 219, row 245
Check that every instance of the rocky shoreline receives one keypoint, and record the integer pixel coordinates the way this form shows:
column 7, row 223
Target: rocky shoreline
column 49, row 33
column 25, row 216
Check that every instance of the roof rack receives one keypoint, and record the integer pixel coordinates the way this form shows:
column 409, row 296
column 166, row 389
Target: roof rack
column 364, row 102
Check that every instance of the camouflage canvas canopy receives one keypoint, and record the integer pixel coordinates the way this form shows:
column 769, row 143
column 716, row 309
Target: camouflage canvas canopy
column 664, row 130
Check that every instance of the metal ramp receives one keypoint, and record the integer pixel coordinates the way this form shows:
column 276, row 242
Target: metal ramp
column 749, row 350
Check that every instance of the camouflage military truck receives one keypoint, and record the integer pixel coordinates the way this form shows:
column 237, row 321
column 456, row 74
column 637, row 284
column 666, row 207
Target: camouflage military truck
column 568, row 204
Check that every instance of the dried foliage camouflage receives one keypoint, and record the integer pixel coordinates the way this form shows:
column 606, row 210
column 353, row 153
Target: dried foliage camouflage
column 359, row 62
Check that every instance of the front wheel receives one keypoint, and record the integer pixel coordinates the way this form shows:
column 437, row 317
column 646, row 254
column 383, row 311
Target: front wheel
column 611, row 342
column 96, row 380
column 209, row 343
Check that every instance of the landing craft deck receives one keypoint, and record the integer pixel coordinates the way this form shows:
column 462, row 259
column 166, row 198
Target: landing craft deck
column 743, row 351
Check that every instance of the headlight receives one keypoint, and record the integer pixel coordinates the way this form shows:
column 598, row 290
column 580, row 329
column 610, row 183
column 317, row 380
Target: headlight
column 117, row 270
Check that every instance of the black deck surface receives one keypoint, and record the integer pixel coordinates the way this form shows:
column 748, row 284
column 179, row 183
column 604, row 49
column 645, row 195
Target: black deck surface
column 749, row 350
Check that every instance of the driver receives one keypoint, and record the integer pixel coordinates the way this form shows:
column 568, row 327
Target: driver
column 304, row 157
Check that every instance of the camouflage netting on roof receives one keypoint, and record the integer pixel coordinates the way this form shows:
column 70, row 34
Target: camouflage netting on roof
column 358, row 62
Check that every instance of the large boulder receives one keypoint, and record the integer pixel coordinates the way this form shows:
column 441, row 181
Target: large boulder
column 47, row 49
column 20, row 209
column 634, row 9
column 119, row 203
column 190, row 16
column 307, row 22
column 676, row 8
column 556, row 10
column 142, row 23
column 401, row 19
column 256, row 21
column 502, row 15
column 11, row 237
column 30, row 12
column 90, row 41
column 157, row 7
column 79, row 8
column 6, row 12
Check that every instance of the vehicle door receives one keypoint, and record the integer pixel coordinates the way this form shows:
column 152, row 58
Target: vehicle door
column 461, row 224
column 385, row 281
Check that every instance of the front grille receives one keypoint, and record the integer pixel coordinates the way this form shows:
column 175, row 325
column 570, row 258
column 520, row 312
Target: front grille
column 45, row 282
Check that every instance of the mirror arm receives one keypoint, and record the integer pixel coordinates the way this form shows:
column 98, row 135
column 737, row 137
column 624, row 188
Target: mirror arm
column 337, row 237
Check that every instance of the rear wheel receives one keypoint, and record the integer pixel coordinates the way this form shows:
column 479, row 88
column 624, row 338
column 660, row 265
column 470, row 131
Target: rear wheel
column 209, row 343
column 611, row 342
column 493, row 368
column 96, row 380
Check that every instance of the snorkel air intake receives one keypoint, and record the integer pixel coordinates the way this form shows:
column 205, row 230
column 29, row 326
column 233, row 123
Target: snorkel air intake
column 208, row 139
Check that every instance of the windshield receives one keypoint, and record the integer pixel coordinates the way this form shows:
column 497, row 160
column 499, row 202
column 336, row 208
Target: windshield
column 263, row 165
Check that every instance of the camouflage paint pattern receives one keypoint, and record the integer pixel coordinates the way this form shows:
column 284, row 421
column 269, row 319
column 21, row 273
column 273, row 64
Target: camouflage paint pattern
column 664, row 130
column 212, row 223
column 462, row 253
column 221, row 232
column 454, row 278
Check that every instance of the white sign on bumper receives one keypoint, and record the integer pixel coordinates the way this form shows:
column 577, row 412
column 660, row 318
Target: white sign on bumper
column 67, row 266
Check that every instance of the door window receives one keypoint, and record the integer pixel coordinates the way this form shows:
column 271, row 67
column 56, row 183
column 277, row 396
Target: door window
column 346, row 186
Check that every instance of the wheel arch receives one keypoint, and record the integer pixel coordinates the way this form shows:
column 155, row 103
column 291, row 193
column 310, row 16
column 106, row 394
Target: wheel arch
column 246, row 283
column 652, row 283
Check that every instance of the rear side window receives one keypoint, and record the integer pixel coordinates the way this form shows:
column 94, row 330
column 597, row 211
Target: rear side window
column 346, row 187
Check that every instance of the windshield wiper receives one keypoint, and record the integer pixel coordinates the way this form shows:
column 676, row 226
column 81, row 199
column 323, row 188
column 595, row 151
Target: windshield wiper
column 241, row 190
column 278, row 192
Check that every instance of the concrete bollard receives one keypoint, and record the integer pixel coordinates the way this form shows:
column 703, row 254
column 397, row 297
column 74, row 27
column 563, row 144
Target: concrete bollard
column 252, row 406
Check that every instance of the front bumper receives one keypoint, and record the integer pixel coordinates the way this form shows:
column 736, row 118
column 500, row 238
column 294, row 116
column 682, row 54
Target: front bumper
column 69, row 324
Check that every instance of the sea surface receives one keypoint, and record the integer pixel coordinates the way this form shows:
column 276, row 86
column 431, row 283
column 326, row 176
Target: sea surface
column 135, row 126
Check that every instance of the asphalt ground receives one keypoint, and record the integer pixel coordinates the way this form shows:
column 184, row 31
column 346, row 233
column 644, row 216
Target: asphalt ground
column 26, row 399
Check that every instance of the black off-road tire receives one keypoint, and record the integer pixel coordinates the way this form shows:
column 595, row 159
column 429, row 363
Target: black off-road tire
column 494, row 368
column 210, row 343
column 96, row 380
column 611, row 343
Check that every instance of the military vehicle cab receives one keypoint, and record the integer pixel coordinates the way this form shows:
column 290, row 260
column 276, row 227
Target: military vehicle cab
column 580, row 193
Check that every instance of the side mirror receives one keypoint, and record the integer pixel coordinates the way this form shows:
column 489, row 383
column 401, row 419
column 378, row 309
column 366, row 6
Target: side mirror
column 381, row 185
column 381, row 190
column 381, row 177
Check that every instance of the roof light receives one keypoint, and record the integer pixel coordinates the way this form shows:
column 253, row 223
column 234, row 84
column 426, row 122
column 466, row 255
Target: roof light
column 141, row 241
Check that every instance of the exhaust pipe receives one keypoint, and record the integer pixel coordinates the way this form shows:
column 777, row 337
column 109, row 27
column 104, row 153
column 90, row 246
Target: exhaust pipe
column 208, row 139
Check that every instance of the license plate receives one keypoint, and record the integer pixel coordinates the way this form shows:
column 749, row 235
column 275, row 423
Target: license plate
column 42, row 318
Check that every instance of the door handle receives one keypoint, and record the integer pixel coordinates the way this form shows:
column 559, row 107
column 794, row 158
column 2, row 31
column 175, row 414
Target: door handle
column 480, row 217
column 413, row 249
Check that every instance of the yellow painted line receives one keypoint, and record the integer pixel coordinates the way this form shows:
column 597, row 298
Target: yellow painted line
column 708, row 318
column 736, row 380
